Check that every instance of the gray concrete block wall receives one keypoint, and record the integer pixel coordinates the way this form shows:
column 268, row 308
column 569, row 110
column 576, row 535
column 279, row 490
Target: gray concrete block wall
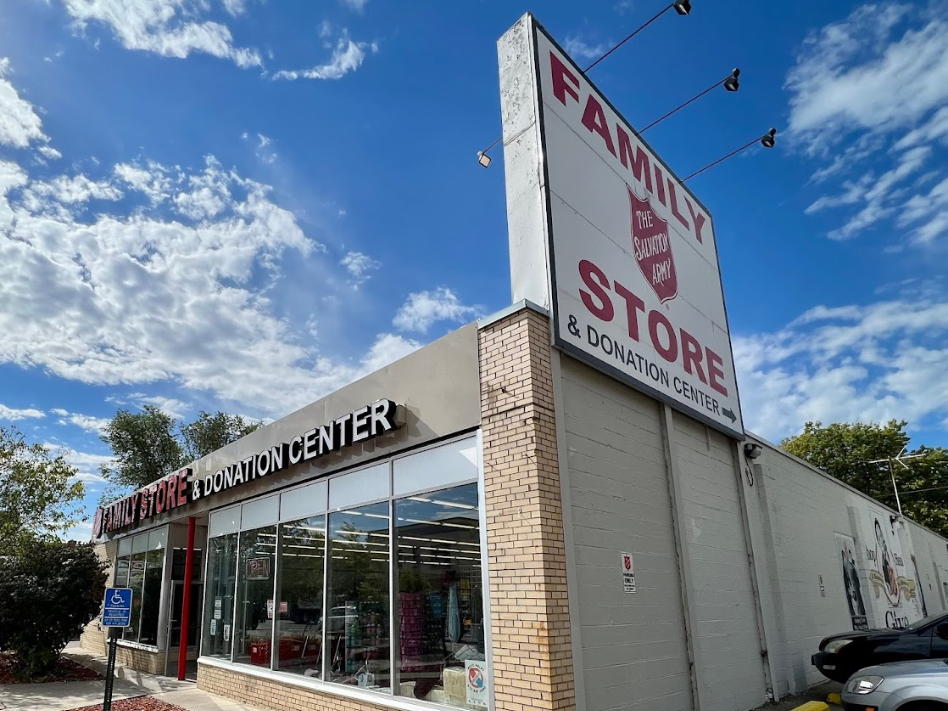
column 633, row 645
column 727, row 638
column 804, row 508
column 632, row 650
column 931, row 555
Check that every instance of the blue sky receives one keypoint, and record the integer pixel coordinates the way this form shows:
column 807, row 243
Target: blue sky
column 245, row 204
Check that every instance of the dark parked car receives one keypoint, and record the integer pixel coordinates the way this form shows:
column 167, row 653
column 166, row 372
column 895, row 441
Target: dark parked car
column 841, row 655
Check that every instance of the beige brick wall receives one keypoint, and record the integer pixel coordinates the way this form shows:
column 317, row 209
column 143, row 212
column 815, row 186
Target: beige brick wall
column 275, row 695
column 530, row 626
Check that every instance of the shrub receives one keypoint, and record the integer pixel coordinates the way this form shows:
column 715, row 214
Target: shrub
column 48, row 592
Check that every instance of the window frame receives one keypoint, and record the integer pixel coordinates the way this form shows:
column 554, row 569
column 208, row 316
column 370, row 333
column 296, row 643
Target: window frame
column 322, row 683
column 131, row 542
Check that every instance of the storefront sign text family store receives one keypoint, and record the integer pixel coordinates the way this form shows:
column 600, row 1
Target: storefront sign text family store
column 360, row 425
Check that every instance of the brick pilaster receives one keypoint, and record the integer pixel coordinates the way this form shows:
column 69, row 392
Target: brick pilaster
column 530, row 629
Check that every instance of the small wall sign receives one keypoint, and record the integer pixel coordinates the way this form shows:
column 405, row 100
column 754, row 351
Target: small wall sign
column 628, row 572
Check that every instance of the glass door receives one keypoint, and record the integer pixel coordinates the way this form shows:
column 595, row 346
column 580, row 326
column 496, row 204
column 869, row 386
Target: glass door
column 173, row 646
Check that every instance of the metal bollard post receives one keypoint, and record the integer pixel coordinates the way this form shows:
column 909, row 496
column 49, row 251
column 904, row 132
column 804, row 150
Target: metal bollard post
column 114, row 634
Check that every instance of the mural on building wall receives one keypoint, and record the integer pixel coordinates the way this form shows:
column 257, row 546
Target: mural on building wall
column 921, row 587
column 857, row 607
column 894, row 593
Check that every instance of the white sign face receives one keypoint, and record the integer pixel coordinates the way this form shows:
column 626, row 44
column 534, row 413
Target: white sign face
column 628, row 572
column 636, row 285
column 476, row 683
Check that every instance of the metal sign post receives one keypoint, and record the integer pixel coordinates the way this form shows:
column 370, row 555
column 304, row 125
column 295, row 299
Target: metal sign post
column 116, row 615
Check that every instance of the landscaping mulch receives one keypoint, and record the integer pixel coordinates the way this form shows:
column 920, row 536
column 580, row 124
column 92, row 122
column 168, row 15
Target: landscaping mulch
column 65, row 670
column 140, row 703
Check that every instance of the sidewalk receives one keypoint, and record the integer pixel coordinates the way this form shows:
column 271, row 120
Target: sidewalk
column 59, row 696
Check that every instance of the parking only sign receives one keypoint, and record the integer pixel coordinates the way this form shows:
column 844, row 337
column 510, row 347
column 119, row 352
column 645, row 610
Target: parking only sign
column 117, row 611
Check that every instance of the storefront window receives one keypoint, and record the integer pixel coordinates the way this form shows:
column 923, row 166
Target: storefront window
column 439, row 609
column 151, row 596
column 357, row 621
column 319, row 594
column 255, row 576
column 219, row 599
column 298, row 609
column 140, row 566
column 121, row 572
column 136, row 580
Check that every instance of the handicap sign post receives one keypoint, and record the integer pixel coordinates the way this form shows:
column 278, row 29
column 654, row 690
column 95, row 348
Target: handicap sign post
column 116, row 615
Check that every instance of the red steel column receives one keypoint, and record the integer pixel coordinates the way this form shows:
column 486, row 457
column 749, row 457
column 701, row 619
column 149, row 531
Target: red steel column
column 186, row 602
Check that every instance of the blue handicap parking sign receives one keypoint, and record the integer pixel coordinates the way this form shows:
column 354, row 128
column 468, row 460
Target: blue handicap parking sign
column 117, row 611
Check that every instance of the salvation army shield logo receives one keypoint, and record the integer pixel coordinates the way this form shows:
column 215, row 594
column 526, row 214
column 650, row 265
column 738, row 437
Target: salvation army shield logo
column 652, row 248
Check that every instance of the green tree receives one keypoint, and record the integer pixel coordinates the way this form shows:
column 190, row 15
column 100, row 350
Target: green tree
column 209, row 433
column 858, row 453
column 149, row 444
column 37, row 497
column 48, row 592
column 144, row 445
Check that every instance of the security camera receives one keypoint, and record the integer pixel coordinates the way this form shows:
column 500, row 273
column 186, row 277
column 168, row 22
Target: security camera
column 752, row 450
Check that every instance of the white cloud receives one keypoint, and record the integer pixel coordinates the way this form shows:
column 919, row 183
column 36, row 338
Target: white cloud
column 387, row 349
column 49, row 153
column 19, row 123
column 853, row 363
column 152, row 179
column 359, row 266
column 929, row 210
column 423, row 309
column 874, row 87
column 357, row 5
column 81, row 532
column 95, row 425
column 140, row 300
column 65, row 191
column 88, row 477
column 264, row 152
column 577, row 48
column 88, row 465
column 235, row 7
column 170, row 28
column 13, row 414
column 347, row 56
column 168, row 405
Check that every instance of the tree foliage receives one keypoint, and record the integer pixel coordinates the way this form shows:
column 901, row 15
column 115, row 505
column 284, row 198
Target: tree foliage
column 145, row 447
column 859, row 453
column 209, row 433
column 48, row 592
column 149, row 444
column 37, row 498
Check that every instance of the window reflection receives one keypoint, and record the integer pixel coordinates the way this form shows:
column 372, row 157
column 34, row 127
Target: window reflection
column 255, row 575
column 299, row 606
column 136, row 580
column 357, row 623
column 219, row 597
column 439, row 610
column 151, row 596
